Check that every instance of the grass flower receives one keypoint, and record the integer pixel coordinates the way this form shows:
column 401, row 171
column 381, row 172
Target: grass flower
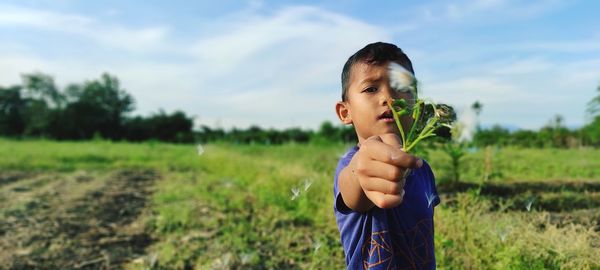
column 295, row 193
column 529, row 203
column 430, row 198
column 307, row 184
column 199, row 149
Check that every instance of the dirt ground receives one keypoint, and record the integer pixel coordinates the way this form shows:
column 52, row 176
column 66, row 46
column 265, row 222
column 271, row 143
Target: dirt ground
column 80, row 220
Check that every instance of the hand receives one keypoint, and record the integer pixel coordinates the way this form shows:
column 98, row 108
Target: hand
column 381, row 168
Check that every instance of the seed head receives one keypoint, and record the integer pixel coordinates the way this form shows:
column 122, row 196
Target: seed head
column 445, row 113
column 402, row 80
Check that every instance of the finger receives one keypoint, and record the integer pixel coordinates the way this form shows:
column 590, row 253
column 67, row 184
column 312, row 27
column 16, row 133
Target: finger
column 382, row 185
column 395, row 141
column 383, row 201
column 380, row 169
column 377, row 150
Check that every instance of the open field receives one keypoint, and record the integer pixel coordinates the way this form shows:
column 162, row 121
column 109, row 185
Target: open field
column 94, row 205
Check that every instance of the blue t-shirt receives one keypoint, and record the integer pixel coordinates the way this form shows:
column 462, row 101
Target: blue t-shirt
column 396, row 238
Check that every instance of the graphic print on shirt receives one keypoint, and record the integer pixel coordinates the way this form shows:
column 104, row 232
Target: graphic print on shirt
column 393, row 250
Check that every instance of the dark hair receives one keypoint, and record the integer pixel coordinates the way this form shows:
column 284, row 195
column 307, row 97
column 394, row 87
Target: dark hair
column 378, row 53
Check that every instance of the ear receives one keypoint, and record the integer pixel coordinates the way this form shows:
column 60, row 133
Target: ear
column 343, row 112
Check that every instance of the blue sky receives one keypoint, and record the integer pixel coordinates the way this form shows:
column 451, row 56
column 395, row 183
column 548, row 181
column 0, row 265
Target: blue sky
column 278, row 63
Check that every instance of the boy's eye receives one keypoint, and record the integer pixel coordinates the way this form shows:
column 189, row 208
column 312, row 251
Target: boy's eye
column 370, row 89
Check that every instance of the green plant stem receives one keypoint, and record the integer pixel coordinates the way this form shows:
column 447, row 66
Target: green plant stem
column 425, row 133
column 415, row 120
column 413, row 144
column 429, row 127
column 397, row 120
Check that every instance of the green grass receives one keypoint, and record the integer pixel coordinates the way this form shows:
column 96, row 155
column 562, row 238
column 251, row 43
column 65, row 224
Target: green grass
column 519, row 164
column 471, row 236
column 232, row 206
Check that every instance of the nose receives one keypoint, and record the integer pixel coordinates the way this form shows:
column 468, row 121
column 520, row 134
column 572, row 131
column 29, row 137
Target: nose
column 387, row 93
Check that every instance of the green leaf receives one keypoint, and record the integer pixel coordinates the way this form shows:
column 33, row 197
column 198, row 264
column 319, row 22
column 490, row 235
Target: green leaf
column 403, row 112
column 401, row 103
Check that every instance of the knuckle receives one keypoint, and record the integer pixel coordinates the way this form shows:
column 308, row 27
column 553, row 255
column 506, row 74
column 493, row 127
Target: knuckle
column 395, row 174
column 388, row 158
column 361, row 168
column 412, row 161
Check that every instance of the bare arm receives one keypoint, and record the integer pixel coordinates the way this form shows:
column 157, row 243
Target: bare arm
column 352, row 193
column 375, row 175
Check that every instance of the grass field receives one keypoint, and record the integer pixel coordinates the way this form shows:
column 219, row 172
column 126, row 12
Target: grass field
column 90, row 205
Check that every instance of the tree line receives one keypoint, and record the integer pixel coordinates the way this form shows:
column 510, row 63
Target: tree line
column 100, row 108
column 93, row 109
column 553, row 134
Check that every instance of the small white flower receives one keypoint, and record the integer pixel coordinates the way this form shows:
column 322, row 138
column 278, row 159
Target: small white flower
column 528, row 204
column 430, row 199
column 295, row 193
column 502, row 235
column 246, row 258
column 317, row 245
column 200, row 149
column 227, row 183
column 307, row 184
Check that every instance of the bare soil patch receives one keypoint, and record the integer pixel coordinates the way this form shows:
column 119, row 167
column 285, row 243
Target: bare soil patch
column 61, row 227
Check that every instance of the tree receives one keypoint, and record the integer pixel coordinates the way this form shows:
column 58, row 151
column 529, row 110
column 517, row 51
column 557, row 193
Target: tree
column 43, row 101
column 328, row 131
column 591, row 131
column 95, row 106
column 496, row 135
column 477, row 107
column 593, row 106
column 176, row 127
column 12, row 111
column 41, row 87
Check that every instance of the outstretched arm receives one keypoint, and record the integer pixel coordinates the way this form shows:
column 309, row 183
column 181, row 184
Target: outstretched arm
column 375, row 175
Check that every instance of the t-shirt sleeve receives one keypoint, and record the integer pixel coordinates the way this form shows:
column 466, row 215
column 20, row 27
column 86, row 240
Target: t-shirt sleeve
column 339, row 204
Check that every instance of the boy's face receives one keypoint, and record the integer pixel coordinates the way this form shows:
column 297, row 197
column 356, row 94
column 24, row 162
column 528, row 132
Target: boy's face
column 366, row 102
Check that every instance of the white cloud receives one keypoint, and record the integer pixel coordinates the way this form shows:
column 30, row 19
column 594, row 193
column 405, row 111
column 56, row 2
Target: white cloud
column 464, row 91
column 279, row 70
column 144, row 39
column 18, row 16
column 591, row 45
column 523, row 92
column 290, row 31
column 282, row 68
column 463, row 11
column 522, row 66
column 273, row 67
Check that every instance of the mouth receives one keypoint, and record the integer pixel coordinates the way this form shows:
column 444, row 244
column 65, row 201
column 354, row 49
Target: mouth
column 386, row 117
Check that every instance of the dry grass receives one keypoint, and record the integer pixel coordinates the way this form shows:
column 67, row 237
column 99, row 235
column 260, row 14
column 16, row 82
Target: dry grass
column 471, row 236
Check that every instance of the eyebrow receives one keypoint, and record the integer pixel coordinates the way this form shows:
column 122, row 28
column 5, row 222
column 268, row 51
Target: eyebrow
column 370, row 80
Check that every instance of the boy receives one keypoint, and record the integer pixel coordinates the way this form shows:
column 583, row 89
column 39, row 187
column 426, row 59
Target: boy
column 383, row 197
